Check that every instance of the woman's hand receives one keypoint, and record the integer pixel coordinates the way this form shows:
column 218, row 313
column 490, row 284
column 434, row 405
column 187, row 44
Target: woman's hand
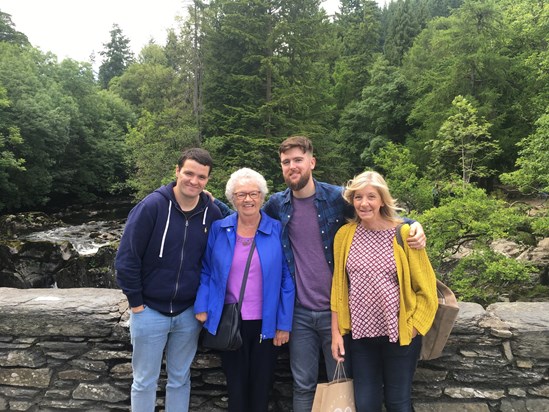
column 414, row 333
column 281, row 337
column 201, row 317
column 417, row 239
column 338, row 350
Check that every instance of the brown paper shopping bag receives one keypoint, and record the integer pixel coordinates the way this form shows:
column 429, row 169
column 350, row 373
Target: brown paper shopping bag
column 335, row 396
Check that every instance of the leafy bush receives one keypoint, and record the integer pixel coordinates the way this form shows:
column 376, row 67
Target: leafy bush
column 484, row 275
column 469, row 217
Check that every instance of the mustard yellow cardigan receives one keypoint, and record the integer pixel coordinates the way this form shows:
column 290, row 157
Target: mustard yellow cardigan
column 416, row 279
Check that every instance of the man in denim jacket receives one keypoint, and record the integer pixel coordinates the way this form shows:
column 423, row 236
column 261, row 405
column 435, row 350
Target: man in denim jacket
column 311, row 212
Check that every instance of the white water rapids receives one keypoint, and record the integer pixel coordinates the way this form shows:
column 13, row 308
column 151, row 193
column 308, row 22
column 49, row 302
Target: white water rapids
column 86, row 238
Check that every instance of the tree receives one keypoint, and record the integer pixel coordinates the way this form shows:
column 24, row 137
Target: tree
column 379, row 116
column 9, row 34
column 160, row 90
column 406, row 18
column 464, row 142
column 358, row 31
column 99, row 121
column 10, row 138
column 265, row 70
column 464, row 54
column 466, row 222
column 117, row 56
column 532, row 175
column 412, row 191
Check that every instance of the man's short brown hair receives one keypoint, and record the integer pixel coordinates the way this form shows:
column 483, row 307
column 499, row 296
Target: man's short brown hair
column 199, row 155
column 302, row 142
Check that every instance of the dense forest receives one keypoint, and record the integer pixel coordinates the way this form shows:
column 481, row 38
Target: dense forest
column 449, row 99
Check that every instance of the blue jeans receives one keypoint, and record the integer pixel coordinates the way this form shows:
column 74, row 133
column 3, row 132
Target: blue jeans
column 311, row 332
column 384, row 371
column 151, row 333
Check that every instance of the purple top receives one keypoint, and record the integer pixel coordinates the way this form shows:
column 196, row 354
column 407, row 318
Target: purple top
column 313, row 276
column 253, row 295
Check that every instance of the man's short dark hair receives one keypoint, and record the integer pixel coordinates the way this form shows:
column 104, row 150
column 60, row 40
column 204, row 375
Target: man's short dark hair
column 198, row 155
column 302, row 142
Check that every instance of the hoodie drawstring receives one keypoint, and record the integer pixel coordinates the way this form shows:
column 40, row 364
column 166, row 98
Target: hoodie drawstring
column 204, row 218
column 165, row 230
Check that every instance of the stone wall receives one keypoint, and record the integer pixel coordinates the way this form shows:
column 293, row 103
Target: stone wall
column 68, row 350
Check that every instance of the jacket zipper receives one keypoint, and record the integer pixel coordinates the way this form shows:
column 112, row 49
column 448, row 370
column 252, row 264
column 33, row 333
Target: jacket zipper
column 182, row 256
column 180, row 264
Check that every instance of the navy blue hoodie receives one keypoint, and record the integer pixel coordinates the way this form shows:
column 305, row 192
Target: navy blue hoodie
column 159, row 260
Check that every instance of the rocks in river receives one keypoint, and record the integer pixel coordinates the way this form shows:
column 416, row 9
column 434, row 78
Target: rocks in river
column 48, row 253
column 13, row 226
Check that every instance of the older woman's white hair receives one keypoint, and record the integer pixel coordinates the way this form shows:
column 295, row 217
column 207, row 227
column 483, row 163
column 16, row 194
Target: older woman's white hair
column 243, row 176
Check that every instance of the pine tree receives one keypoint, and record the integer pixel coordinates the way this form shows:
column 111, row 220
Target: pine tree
column 117, row 56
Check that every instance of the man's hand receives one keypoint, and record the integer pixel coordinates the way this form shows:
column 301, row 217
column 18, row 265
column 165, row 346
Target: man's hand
column 417, row 239
column 138, row 309
column 209, row 194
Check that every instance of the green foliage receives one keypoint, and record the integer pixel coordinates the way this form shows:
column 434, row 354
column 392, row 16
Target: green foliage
column 380, row 115
column 464, row 54
column 464, row 143
column 467, row 217
column 10, row 138
column 70, row 135
column 484, row 275
column 266, row 73
column 532, row 175
column 406, row 19
column 411, row 191
column 358, row 30
column 9, row 34
column 540, row 225
column 233, row 152
column 117, row 56
column 155, row 145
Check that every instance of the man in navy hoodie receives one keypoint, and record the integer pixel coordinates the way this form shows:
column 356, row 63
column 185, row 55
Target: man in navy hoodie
column 158, row 268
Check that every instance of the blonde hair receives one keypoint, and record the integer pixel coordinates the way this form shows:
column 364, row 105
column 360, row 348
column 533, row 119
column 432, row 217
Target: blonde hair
column 389, row 210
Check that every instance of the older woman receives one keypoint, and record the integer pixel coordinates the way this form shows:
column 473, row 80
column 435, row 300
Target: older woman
column 383, row 294
column 268, row 302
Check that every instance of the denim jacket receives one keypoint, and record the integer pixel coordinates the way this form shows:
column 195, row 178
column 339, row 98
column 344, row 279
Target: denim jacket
column 332, row 210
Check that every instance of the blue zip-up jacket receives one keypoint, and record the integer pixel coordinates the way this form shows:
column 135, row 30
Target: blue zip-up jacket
column 158, row 262
column 278, row 286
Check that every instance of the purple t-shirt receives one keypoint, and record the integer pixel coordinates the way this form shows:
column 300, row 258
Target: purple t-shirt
column 252, row 306
column 312, row 273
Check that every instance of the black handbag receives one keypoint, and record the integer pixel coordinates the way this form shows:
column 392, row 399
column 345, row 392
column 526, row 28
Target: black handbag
column 228, row 335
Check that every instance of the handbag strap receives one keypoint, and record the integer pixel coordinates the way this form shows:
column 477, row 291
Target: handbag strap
column 245, row 278
column 399, row 235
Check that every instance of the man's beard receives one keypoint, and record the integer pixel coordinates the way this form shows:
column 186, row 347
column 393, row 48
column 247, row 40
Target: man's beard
column 300, row 184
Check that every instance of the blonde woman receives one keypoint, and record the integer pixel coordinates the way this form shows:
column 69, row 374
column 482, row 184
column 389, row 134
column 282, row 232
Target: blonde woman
column 382, row 294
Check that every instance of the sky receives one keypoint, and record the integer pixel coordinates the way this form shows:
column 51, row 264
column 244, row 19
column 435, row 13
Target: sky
column 78, row 29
